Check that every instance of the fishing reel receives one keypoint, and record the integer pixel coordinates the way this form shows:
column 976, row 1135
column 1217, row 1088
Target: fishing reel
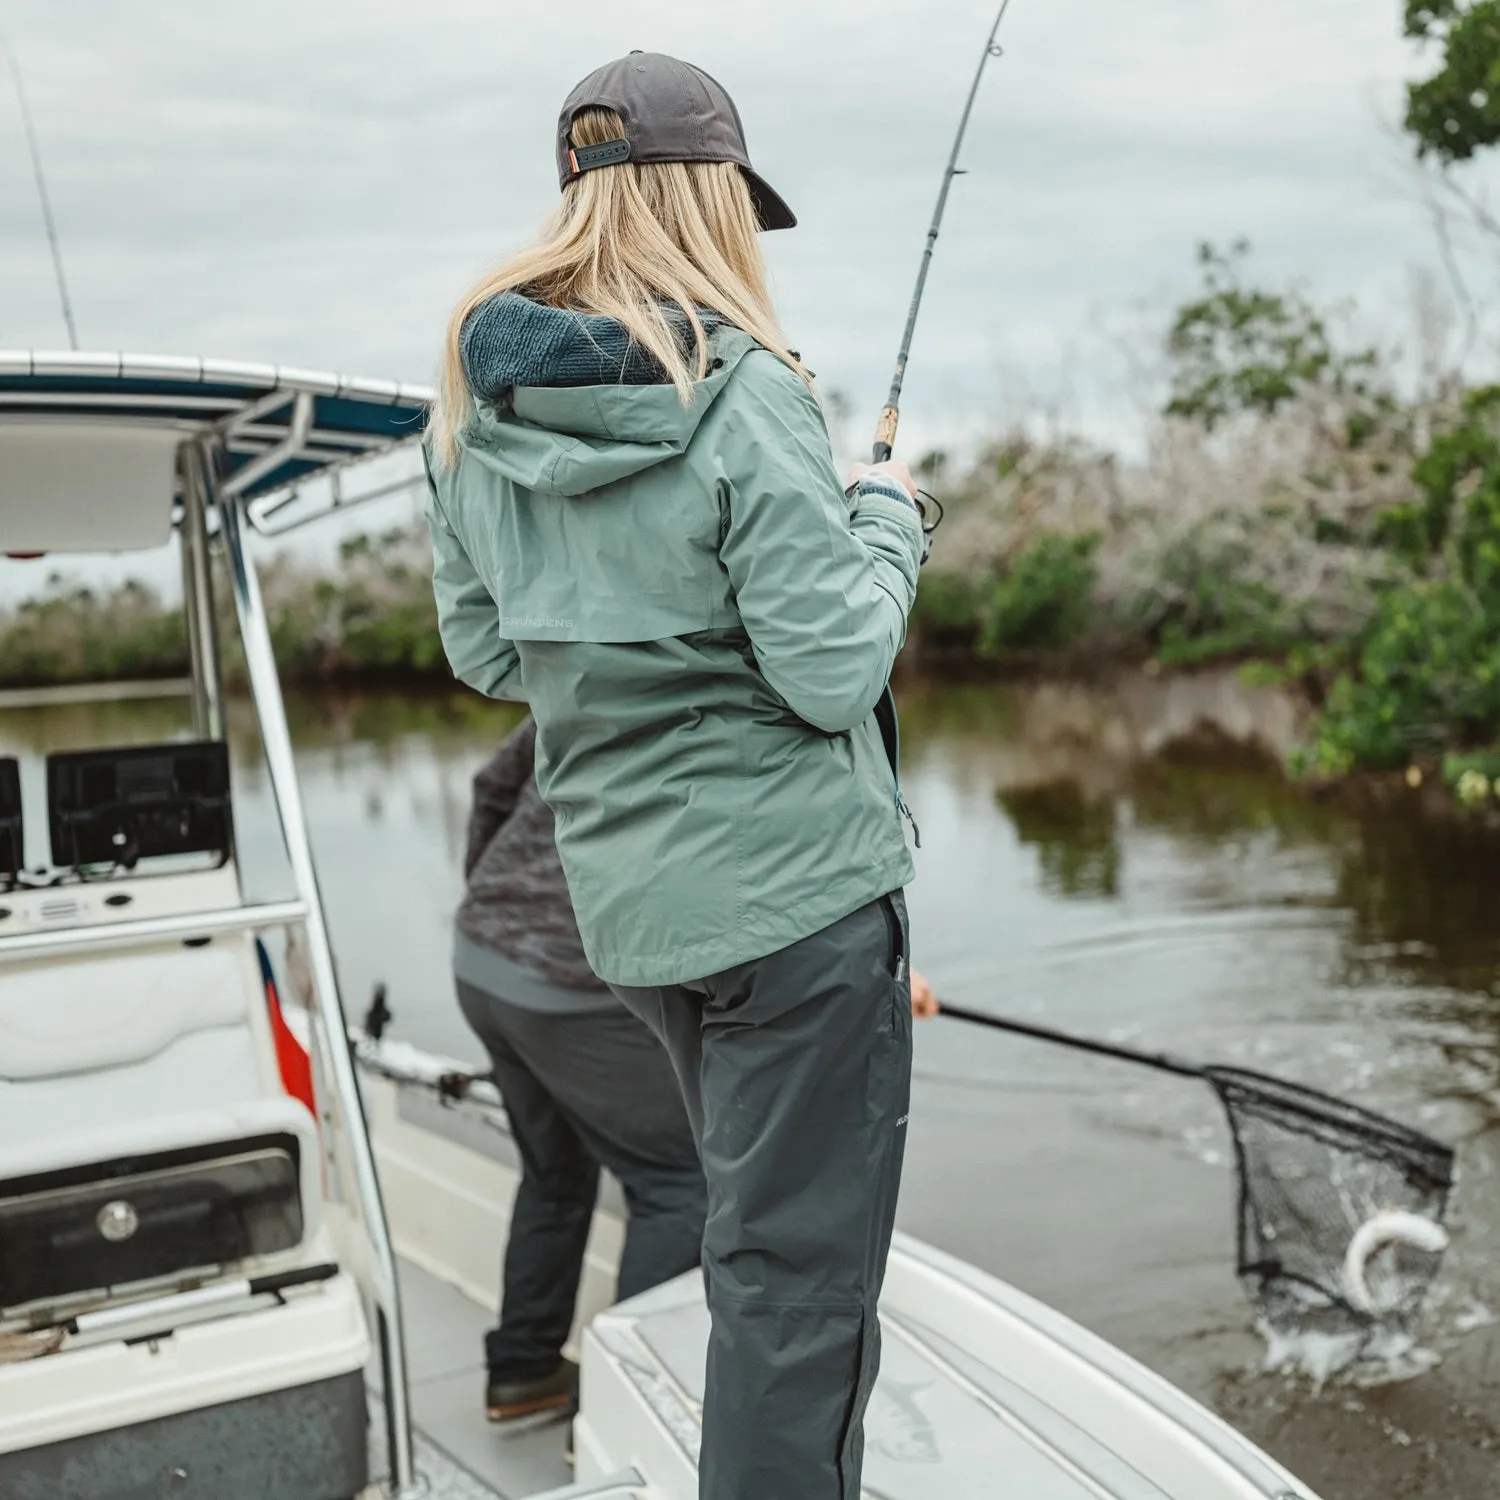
column 929, row 508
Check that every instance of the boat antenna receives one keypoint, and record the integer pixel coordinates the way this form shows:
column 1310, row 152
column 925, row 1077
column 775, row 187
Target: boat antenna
column 41, row 186
column 885, row 429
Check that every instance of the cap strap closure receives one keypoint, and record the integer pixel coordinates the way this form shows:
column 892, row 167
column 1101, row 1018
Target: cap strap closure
column 606, row 154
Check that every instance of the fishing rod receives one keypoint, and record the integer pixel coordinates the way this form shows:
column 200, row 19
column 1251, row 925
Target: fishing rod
column 885, row 428
column 41, row 187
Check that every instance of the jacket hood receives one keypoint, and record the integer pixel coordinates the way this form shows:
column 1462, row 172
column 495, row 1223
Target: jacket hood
column 568, row 402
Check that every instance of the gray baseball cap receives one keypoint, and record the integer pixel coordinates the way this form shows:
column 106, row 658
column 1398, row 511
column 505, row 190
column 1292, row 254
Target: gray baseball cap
column 672, row 112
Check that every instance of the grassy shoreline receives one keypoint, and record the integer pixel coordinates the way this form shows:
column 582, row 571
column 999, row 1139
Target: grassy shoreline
column 330, row 634
column 1295, row 510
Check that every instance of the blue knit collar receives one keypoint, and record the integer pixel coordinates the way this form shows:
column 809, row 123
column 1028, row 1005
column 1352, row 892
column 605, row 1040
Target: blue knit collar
column 511, row 341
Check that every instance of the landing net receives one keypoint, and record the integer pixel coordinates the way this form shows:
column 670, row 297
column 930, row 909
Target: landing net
column 1340, row 1210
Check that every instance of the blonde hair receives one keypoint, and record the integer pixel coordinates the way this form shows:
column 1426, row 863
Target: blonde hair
column 631, row 241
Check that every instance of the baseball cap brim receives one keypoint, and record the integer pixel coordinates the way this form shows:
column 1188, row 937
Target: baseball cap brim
column 770, row 206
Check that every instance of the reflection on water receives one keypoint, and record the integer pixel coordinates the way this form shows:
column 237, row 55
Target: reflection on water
column 1142, row 817
column 1076, row 838
column 1086, row 776
column 1123, row 859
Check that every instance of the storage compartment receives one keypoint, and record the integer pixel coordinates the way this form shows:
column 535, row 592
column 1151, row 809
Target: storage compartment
column 106, row 1225
column 305, row 1443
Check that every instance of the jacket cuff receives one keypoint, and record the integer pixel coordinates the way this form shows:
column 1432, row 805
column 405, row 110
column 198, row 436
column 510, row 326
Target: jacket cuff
column 872, row 485
column 900, row 513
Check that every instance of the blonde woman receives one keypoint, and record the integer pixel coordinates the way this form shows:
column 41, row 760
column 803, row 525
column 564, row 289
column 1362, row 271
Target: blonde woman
column 638, row 529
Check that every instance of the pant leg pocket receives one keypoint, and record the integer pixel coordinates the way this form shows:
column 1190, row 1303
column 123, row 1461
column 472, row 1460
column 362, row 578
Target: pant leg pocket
column 893, row 909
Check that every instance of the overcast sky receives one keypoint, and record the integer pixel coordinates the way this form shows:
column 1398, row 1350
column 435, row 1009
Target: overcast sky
column 313, row 181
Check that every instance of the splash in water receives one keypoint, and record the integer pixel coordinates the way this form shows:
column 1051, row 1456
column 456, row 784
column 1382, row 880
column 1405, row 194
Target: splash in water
column 1321, row 1340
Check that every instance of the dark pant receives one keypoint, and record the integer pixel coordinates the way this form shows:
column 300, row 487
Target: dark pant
column 796, row 1069
column 583, row 1092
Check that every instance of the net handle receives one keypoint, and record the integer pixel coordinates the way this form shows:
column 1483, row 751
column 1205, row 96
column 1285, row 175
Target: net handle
column 1163, row 1062
column 1308, row 1103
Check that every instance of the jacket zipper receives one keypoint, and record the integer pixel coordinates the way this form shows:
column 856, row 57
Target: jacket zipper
column 888, row 702
column 905, row 811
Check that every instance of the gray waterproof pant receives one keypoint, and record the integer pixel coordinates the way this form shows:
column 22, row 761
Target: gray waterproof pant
column 796, row 1069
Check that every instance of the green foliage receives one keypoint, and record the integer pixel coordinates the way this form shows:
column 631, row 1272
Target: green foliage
column 1215, row 605
column 1036, row 601
column 73, row 633
column 1474, row 779
column 400, row 639
column 1456, row 111
column 1427, row 675
column 1040, row 602
column 374, row 616
column 1007, row 458
column 1237, row 348
column 1265, row 674
column 1459, row 479
column 947, row 606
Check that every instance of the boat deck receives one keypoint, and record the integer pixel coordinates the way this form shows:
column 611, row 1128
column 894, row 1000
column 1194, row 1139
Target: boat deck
column 942, row 1420
column 979, row 1383
column 460, row 1455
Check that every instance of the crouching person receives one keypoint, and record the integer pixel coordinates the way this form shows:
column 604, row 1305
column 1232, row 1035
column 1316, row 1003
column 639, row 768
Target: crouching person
column 585, row 1084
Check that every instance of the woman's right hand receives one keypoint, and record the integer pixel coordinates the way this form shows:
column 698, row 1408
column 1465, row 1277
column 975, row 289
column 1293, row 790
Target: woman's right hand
column 924, row 1004
column 892, row 468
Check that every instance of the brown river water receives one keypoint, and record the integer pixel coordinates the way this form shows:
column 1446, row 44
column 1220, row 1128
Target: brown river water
column 1121, row 859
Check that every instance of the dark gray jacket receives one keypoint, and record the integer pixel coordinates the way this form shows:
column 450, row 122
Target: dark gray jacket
column 517, row 901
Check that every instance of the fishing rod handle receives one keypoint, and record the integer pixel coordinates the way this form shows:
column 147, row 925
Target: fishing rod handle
column 1163, row 1062
column 885, row 434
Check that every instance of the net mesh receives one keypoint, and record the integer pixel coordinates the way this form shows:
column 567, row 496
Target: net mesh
column 1315, row 1173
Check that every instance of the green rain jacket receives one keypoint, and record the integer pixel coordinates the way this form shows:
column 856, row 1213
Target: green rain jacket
column 703, row 625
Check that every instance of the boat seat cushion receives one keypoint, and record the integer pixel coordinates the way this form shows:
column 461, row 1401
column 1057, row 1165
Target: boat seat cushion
column 139, row 1051
column 62, row 1019
column 200, row 1071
